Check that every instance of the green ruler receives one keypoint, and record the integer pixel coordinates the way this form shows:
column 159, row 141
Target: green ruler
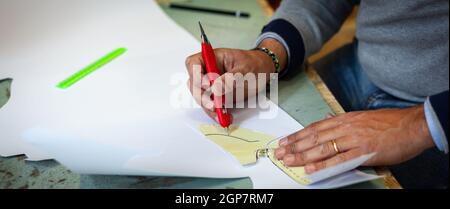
column 90, row 68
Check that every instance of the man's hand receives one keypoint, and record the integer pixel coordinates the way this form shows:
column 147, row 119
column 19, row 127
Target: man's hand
column 396, row 135
column 230, row 62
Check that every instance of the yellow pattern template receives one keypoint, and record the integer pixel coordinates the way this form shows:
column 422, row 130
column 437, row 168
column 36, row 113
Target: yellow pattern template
column 243, row 144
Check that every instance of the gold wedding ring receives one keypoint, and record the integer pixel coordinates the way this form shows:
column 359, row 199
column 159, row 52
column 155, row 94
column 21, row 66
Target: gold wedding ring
column 335, row 146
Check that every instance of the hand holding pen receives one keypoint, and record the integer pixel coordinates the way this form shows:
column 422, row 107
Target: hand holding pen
column 230, row 62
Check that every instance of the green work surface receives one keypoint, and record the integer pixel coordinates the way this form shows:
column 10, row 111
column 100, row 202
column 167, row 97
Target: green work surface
column 297, row 96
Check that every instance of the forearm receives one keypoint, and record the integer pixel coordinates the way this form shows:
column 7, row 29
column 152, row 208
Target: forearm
column 418, row 128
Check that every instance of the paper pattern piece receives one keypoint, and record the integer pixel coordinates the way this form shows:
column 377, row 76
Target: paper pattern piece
column 246, row 145
column 296, row 173
column 241, row 143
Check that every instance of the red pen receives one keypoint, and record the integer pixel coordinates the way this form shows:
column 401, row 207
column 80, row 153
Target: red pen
column 209, row 58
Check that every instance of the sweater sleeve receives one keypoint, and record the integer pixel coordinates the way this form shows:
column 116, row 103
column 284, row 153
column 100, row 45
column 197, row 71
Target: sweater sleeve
column 303, row 26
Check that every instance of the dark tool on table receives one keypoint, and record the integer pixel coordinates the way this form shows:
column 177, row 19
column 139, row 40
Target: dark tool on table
column 210, row 10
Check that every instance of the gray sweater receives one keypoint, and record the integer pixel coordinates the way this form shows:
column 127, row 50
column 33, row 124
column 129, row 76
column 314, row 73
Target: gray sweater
column 403, row 44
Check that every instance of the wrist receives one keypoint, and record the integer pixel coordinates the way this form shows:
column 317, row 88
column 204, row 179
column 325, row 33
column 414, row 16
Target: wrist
column 278, row 49
column 272, row 56
column 421, row 127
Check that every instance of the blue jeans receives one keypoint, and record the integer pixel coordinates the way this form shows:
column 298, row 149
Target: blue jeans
column 344, row 76
column 348, row 82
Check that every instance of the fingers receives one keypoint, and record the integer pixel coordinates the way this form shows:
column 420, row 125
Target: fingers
column 197, row 60
column 204, row 100
column 202, row 97
column 223, row 85
column 319, row 152
column 310, row 141
column 211, row 114
column 205, row 83
column 340, row 158
column 315, row 139
column 330, row 121
column 311, row 130
column 194, row 60
column 199, row 81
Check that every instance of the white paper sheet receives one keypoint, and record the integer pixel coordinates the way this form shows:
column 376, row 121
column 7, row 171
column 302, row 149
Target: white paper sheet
column 117, row 120
column 43, row 42
column 265, row 175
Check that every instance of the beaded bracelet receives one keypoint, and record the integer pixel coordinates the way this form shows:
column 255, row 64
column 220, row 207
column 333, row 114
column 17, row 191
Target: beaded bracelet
column 273, row 56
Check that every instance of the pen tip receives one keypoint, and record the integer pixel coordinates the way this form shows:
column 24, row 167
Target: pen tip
column 201, row 27
column 203, row 35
